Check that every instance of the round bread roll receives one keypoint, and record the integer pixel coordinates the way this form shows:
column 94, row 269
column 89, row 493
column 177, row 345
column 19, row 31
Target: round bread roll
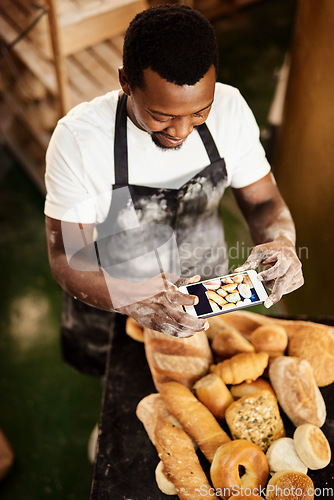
column 248, row 388
column 312, row 446
column 281, row 455
column 213, row 393
column 315, row 343
column 290, row 485
column 229, row 342
column 229, row 456
column 164, row 484
column 272, row 339
column 134, row 329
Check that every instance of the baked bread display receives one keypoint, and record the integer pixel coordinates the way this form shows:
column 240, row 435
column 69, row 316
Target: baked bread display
column 296, row 390
column 256, row 418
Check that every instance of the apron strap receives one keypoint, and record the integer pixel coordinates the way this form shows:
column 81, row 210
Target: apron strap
column 120, row 144
column 208, row 142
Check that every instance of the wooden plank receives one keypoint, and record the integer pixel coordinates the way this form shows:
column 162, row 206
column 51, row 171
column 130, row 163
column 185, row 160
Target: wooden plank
column 26, row 52
column 104, row 77
column 95, row 29
column 87, row 9
column 117, row 43
column 80, row 80
column 108, row 55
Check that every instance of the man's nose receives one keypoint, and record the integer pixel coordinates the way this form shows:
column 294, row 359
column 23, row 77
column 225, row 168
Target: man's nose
column 182, row 126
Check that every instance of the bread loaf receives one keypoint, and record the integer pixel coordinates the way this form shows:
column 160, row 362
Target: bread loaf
column 256, row 418
column 164, row 484
column 296, row 390
column 184, row 360
column 195, row 418
column 241, row 367
column 315, row 343
column 213, row 393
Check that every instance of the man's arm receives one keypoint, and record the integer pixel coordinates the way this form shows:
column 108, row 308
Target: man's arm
column 85, row 280
column 273, row 233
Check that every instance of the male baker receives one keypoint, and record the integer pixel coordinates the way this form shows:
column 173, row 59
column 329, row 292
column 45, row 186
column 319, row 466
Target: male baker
column 134, row 180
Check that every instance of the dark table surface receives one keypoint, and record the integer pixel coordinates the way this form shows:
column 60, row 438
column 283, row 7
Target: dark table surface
column 126, row 459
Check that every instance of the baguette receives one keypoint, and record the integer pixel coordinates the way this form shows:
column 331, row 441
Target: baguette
column 180, row 463
column 241, row 367
column 184, row 360
column 195, row 418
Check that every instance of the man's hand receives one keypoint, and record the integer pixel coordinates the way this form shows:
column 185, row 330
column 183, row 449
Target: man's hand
column 283, row 270
column 162, row 311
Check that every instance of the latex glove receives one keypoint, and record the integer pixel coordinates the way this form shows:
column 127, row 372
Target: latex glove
column 161, row 311
column 283, row 270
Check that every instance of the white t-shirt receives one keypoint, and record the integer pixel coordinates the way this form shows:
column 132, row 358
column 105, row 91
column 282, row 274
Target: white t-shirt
column 79, row 159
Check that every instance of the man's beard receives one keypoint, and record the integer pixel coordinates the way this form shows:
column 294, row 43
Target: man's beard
column 154, row 137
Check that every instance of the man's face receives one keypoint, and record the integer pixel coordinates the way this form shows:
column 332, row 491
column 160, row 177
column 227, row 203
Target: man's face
column 169, row 112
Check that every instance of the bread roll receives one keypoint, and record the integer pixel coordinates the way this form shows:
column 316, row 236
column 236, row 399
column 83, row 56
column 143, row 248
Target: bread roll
column 184, row 360
column 294, row 485
column 241, row 367
column 315, row 343
column 296, row 390
column 229, row 342
column 272, row 339
column 195, row 418
column 180, row 463
column 134, row 329
column 164, row 484
column 247, row 388
column 312, row 446
column 282, row 455
column 213, row 393
column 256, row 418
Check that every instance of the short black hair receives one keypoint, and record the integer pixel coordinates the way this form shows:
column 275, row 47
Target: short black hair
column 175, row 41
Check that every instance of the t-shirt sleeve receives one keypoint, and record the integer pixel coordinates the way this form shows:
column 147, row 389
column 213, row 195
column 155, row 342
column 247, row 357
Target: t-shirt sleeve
column 67, row 197
column 249, row 163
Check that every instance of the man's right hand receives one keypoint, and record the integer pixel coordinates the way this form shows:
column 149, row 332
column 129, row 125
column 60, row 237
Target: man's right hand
column 161, row 311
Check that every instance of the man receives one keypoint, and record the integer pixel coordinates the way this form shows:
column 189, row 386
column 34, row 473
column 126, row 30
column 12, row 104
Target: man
column 134, row 181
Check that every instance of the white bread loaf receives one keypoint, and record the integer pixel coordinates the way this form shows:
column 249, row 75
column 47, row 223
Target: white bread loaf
column 184, row 360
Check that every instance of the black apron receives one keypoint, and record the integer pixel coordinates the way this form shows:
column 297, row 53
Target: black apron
column 147, row 231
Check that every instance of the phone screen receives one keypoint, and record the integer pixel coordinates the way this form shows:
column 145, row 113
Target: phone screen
column 226, row 293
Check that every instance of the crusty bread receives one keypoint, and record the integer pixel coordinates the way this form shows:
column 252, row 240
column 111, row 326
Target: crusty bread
column 296, row 390
column 195, row 418
column 241, row 367
column 229, row 342
column 180, row 463
column 184, row 360
column 312, row 446
column 134, row 329
column 247, row 388
column 213, row 393
column 316, row 344
column 282, row 455
column 289, row 482
column 150, row 410
column 256, row 418
column 272, row 339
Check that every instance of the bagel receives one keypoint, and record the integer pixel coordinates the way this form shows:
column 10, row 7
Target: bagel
column 224, row 469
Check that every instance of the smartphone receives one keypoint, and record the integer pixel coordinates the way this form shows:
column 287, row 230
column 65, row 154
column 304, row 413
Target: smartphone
column 225, row 294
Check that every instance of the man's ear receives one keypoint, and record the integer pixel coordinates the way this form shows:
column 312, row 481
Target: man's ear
column 123, row 81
